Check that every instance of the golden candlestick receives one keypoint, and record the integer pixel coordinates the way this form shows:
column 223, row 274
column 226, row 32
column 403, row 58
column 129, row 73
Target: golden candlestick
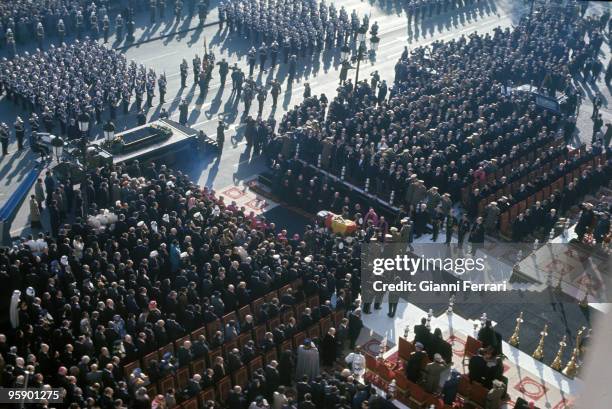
column 539, row 352
column 571, row 368
column 514, row 339
column 557, row 363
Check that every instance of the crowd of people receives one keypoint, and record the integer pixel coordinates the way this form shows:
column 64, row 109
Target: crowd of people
column 24, row 21
column 449, row 131
column 294, row 28
column 139, row 257
column 83, row 77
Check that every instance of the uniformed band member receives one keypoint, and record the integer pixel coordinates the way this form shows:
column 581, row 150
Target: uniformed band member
column 4, row 138
column 19, row 132
column 162, row 83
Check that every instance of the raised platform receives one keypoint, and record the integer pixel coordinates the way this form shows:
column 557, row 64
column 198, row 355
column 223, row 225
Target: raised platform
column 168, row 149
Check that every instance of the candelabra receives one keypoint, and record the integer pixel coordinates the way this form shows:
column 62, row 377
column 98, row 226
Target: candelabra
column 539, row 352
column 297, row 150
column 557, row 364
column 406, row 331
column 483, row 319
column 476, row 330
column 429, row 316
column 451, row 303
column 319, row 161
column 551, row 235
column 392, row 198
column 367, row 185
column 343, row 172
column 536, row 244
column 514, row 339
column 571, row 368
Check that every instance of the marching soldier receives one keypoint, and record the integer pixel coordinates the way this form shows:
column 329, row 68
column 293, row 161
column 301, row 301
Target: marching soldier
column 126, row 95
column 375, row 80
column 274, row 49
column 221, row 127
column 178, row 10
column 262, row 95
column 151, row 88
column 161, row 83
column 263, row 55
column 292, row 68
column 119, row 27
column 223, row 70
column 79, row 24
column 286, row 48
column 161, row 8
column 40, row 35
column 93, row 21
column 4, row 138
column 202, row 82
column 61, row 30
column 139, row 97
column 184, row 69
column 248, row 99
column 10, row 42
column 239, row 81
column 307, row 91
column 251, row 57
column 106, row 27
column 346, row 66
column 275, row 91
column 131, row 27
column 153, row 10
column 19, row 132
column 183, row 112
column 221, row 15
column 33, row 121
column 197, row 64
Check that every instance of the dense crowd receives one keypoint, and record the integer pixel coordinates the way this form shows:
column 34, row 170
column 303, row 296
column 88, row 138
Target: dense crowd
column 294, row 27
column 24, row 21
column 150, row 257
column 449, row 130
column 84, row 76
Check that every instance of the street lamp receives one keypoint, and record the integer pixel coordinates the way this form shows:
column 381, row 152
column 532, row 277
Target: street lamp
column 361, row 35
column 109, row 131
column 83, row 120
column 58, row 147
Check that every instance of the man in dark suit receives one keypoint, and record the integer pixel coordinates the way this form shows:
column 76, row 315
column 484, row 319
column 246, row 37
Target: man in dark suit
column 272, row 378
column 236, row 399
column 422, row 334
column 488, row 337
column 354, row 327
column 303, row 388
column 193, row 386
column 306, row 403
column 184, row 354
column 477, row 367
column 414, row 364
column 440, row 346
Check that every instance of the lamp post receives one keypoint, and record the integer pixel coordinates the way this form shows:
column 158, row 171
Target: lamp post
column 361, row 35
column 109, row 131
column 83, row 120
column 58, row 147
